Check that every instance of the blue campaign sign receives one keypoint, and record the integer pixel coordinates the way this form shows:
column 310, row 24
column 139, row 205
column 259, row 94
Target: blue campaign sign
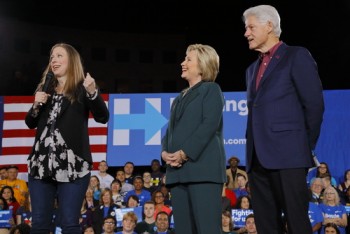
column 239, row 216
column 119, row 213
column 139, row 121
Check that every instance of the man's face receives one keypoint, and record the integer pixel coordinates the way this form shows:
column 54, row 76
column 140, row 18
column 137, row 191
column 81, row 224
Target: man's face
column 233, row 163
column 162, row 222
column 128, row 169
column 155, row 166
column 102, row 167
column 3, row 174
column 149, row 210
column 12, row 173
column 250, row 225
column 109, row 225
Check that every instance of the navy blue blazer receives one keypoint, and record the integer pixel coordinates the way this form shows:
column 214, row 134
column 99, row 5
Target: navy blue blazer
column 286, row 112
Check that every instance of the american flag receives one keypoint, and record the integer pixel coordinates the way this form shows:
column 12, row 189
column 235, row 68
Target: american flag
column 17, row 139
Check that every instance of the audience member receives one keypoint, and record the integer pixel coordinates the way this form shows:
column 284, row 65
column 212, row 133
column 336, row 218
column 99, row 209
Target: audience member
column 167, row 194
column 132, row 201
column 19, row 186
column 129, row 170
column 105, row 178
column 147, row 181
column 3, row 173
column 106, row 208
column 162, row 224
column 233, row 171
column 8, row 194
column 129, row 223
column 331, row 228
column 108, row 225
column 324, row 169
column 228, row 194
column 241, row 190
column 88, row 230
column 126, row 187
column 333, row 211
column 316, row 188
column 22, row 228
column 147, row 225
column 244, row 203
column 118, row 199
column 343, row 186
column 141, row 193
column 87, row 208
column 4, row 206
column 250, row 224
column 156, row 173
column 316, row 217
column 24, row 212
column 158, row 199
column 227, row 223
column 94, row 185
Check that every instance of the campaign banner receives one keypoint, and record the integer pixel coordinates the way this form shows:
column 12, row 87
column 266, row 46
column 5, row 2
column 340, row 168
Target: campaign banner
column 139, row 121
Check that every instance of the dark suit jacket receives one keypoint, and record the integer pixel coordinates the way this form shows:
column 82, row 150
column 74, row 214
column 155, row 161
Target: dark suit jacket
column 72, row 121
column 286, row 112
column 196, row 126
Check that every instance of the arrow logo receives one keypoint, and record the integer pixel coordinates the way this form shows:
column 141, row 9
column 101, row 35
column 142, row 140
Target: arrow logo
column 151, row 121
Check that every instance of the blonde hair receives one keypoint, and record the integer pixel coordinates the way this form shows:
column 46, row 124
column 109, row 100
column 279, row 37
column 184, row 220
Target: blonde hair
column 336, row 195
column 130, row 215
column 75, row 73
column 208, row 61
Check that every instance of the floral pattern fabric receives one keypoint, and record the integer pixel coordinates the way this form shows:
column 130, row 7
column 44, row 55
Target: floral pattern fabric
column 52, row 158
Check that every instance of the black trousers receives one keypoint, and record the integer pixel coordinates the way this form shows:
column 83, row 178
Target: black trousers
column 280, row 200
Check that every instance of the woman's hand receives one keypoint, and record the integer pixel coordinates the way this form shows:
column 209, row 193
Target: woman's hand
column 89, row 84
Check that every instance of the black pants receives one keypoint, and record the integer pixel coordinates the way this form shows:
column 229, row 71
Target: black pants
column 280, row 200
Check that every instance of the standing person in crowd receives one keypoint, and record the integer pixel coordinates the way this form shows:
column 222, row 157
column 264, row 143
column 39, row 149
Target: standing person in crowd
column 129, row 170
column 156, row 173
column 250, row 224
column 233, row 171
column 129, row 223
column 148, row 223
column 162, row 224
column 8, row 194
column 94, row 186
column 345, row 185
column 193, row 146
column 323, row 169
column 19, row 186
column 3, row 173
column 285, row 103
column 126, row 187
column 227, row 223
column 331, row 228
column 61, row 161
column 333, row 211
column 105, row 178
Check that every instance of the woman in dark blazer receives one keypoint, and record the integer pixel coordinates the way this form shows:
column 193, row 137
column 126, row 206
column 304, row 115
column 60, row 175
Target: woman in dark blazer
column 193, row 145
column 60, row 161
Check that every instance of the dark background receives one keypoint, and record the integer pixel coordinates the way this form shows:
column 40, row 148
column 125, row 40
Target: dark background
column 320, row 26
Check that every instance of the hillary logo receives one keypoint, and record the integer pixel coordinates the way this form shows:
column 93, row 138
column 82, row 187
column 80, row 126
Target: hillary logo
column 149, row 122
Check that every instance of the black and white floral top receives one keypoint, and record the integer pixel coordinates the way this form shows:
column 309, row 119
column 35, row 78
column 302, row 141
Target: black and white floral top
column 52, row 158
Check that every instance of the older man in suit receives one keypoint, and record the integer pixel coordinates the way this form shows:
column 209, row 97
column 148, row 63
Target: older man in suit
column 285, row 102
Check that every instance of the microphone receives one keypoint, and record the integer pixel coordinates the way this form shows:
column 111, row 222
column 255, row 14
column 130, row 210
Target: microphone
column 48, row 79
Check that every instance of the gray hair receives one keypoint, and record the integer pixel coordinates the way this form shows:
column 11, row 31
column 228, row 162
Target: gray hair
column 264, row 14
